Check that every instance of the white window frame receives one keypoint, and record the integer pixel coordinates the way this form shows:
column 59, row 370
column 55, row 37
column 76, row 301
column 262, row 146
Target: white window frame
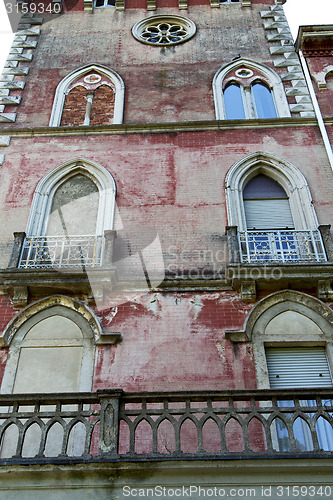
column 62, row 88
column 286, row 174
column 43, row 197
column 276, row 88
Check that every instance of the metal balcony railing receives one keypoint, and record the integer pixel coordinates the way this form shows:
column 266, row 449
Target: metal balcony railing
column 45, row 252
column 288, row 246
column 112, row 425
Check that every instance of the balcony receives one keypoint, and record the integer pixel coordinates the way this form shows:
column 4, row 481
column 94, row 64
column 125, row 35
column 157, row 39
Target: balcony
column 289, row 246
column 63, row 252
column 114, row 426
column 41, row 265
column 278, row 259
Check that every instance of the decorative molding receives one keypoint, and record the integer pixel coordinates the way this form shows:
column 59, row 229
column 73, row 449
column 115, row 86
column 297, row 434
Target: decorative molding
column 17, row 54
column 249, row 291
column 120, row 4
column 166, row 127
column 110, row 338
column 151, row 4
column 277, row 302
column 284, row 56
column 325, row 291
column 20, row 296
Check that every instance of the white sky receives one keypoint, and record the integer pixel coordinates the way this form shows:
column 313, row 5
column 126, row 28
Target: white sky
column 299, row 12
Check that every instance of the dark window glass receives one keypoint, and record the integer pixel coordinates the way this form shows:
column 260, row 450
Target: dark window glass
column 262, row 186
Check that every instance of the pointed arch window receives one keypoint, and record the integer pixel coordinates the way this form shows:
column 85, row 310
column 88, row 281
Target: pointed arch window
column 71, row 215
column 92, row 95
column 270, row 204
column 245, row 89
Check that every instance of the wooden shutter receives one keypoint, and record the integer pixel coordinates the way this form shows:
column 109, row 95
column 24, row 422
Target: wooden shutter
column 298, row 367
column 268, row 214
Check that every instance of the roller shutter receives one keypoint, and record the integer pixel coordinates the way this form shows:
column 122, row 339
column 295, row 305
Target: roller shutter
column 298, row 367
column 268, row 214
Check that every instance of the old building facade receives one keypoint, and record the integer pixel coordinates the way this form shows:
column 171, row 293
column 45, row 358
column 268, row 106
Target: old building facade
column 166, row 264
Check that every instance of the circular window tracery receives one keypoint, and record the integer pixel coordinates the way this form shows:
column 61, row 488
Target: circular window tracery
column 164, row 30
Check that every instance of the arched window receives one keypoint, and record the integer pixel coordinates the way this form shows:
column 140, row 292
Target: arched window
column 92, row 95
column 52, row 347
column 270, row 203
column 291, row 334
column 51, row 350
column 246, row 89
column 266, row 204
column 72, row 208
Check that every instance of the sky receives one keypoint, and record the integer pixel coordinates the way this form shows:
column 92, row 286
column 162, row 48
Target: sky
column 299, row 12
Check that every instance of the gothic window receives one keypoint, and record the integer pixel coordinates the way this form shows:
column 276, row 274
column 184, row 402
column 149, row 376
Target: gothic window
column 270, row 203
column 93, row 95
column 72, row 208
column 245, row 89
column 291, row 334
column 52, row 350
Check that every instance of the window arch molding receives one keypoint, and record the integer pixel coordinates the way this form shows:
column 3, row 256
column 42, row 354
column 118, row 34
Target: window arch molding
column 286, row 174
column 52, row 307
column 42, row 200
column 312, row 310
column 270, row 77
column 62, row 87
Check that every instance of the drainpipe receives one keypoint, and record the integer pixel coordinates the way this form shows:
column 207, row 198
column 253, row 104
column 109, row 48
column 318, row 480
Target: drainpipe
column 319, row 117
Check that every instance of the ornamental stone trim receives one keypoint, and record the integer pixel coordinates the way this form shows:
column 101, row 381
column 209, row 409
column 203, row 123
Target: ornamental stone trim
column 22, row 43
column 284, row 56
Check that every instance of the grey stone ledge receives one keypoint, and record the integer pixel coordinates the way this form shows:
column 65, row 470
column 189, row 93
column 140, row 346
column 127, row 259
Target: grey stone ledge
column 22, row 70
column 25, row 45
column 4, row 140
column 2, row 159
column 7, row 117
column 10, row 100
column 20, row 57
column 284, row 49
column 12, row 85
column 30, row 32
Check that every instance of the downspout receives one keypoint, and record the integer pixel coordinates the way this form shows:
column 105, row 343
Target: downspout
column 318, row 114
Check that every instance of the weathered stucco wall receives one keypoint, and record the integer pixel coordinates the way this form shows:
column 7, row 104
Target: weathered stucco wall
column 162, row 84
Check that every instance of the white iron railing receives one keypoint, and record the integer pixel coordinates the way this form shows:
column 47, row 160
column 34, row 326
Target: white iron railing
column 289, row 246
column 45, row 252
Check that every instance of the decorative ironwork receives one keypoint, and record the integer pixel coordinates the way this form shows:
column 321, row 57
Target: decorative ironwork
column 288, row 246
column 228, row 424
column 44, row 252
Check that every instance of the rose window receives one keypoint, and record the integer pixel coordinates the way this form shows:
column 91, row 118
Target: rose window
column 164, row 30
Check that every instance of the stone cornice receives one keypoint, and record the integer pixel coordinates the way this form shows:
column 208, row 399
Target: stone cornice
column 158, row 128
